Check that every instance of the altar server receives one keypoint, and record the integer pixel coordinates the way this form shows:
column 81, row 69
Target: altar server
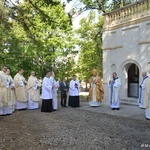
column 74, row 88
column 47, row 99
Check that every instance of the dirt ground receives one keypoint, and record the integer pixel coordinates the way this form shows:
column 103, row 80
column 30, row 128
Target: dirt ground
column 72, row 129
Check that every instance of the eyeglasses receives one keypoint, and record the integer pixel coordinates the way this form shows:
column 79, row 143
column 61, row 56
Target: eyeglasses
column 5, row 68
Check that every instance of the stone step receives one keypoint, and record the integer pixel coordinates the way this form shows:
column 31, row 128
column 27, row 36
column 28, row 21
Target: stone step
column 129, row 102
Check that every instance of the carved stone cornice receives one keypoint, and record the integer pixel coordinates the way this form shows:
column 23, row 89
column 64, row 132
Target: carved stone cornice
column 128, row 15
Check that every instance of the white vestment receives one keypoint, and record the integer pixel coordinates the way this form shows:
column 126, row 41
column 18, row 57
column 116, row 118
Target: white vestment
column 94, row 102
column 142, row 94
column 7, row 103
column 21, row 93
column 33, row 93
column 114, row 99
column 73, row 91
column 54, row 92
column 147, row 111
column 12, row 92
column 47, row 89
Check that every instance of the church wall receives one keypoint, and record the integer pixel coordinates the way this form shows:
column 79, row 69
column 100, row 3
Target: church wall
column 129, row 44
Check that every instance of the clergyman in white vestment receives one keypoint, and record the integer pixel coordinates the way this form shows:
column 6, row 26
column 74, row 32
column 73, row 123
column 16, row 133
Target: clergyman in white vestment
column 147, row 111
column 114, row 86
column 33, row 86
column 7, row 103
column 12, row 96
column 54, row 91
column 143, row 103
column 5, row 100
column 20, row 89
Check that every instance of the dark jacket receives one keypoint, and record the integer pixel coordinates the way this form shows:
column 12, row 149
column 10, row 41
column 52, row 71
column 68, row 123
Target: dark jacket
column 63, row 88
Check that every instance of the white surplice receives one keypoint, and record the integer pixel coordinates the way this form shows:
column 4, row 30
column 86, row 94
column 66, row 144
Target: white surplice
column 47, row 89
column 73, row 91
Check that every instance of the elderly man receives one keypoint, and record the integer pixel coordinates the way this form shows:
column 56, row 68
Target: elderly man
column 114, row 86
column 33, row 92
column 21, row 93
column 142, row 94
column 96, row 90
column 147, row 111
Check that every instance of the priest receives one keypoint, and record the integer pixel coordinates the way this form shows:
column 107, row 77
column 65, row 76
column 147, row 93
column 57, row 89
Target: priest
column 33, row 89
column 96, row 93
column 147, row 111
column 12, row 96
column 54, row 91
column 143, row 103
column 6, row 101
column 114, row 86
column 47, row 99
column 21, row 93
column 74, row 88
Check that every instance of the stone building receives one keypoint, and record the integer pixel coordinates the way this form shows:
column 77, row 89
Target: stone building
column 126, row 48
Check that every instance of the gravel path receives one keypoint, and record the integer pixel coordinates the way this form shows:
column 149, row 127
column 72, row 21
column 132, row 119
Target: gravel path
column 71, row 129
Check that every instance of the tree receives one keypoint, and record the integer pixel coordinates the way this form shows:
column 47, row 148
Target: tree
column 39, row 33
column 90, row 43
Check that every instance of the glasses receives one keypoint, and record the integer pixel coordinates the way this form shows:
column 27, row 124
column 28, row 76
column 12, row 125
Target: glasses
column 5, row 68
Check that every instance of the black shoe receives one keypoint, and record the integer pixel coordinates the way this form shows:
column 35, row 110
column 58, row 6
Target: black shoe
column 113, row 108
column 117, row 108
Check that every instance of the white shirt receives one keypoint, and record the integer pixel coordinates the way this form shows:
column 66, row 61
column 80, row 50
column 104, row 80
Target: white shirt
column 47, row 89
column 73, row 91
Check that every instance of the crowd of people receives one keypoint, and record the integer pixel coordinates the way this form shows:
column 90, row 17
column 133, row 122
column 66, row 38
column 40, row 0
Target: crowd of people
column 17, row 93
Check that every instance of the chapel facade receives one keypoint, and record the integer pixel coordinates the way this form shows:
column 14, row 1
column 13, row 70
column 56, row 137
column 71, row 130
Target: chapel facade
column 126, row 48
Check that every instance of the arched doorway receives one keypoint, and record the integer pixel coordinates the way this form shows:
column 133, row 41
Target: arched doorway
column 133, row 81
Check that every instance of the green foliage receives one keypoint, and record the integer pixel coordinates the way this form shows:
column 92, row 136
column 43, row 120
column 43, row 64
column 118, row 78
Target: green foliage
column 37, row 36
column 90, row 43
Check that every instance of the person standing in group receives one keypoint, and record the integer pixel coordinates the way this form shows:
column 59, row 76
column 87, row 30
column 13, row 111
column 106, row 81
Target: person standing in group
column 147, row 111
column 114, row 86
column 142, row 92
column 6, row 101
column 33, row 92
column 74, row 88
column 96, row 93
column 47, row 99
column 20, row 90
column 11, row 90
column 54, row 91
column 64, row 90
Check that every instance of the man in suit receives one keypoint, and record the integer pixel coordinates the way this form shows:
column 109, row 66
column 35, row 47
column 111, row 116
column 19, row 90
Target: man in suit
column 64, row 89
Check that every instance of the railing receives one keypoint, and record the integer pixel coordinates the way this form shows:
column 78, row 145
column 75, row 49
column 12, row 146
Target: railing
column 130, row 12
